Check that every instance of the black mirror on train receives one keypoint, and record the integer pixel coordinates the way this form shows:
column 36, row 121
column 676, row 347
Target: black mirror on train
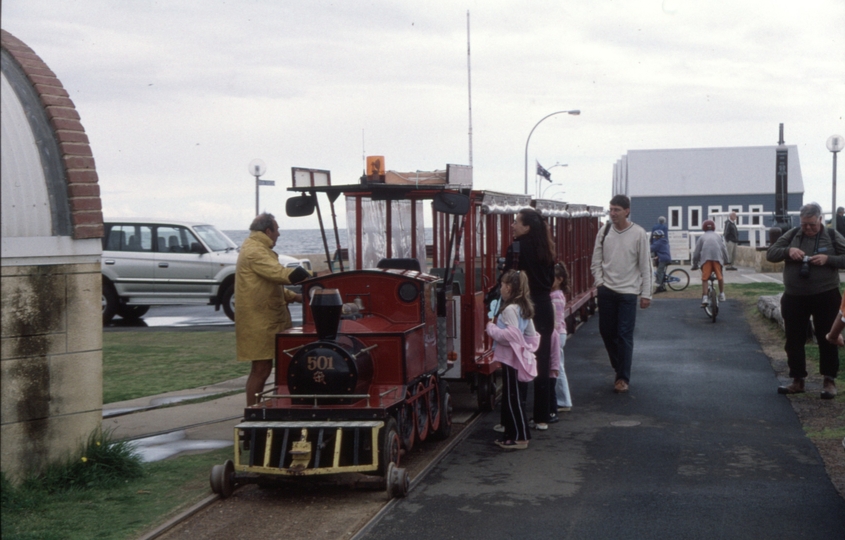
column 451, row 203
column 300, row 206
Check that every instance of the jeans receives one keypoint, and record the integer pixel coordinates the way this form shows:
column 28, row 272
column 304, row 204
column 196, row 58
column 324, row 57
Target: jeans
column 661, row 271
column 562, row 384
column 617, row 316
column 796, row 311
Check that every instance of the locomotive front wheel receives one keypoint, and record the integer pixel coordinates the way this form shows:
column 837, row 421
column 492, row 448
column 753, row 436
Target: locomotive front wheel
column 407, row 423
column 397, row 481
column 434, row 409
column 421, row 412
column 391, row 447
column 223, row 479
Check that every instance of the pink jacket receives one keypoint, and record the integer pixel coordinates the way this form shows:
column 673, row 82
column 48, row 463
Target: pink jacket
column 515, row 349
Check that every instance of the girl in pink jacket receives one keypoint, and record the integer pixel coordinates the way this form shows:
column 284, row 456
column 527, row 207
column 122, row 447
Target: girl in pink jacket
column 515, row 343
column 560, row 288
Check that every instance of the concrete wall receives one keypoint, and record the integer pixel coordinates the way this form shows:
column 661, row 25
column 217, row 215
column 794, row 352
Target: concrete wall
column 51, row 363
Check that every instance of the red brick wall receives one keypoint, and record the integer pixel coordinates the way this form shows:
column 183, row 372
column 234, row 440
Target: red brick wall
column 86, row 209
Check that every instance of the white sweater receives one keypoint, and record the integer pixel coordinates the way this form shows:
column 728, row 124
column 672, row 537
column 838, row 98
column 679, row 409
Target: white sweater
column 622, row 261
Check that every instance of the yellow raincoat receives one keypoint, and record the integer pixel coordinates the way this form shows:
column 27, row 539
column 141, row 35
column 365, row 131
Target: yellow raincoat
column 260, row 299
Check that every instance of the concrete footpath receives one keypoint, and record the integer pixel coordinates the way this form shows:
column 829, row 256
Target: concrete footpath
column 702, row 447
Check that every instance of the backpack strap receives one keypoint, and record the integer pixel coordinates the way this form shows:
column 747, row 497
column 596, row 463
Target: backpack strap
column 604, row 234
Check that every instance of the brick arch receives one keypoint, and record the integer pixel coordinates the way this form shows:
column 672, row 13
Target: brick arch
column 80, row 173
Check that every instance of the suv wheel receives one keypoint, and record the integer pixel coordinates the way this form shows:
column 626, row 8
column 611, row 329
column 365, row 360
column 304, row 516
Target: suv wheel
column 132, row 313
column 110, row 302
column 229, row 301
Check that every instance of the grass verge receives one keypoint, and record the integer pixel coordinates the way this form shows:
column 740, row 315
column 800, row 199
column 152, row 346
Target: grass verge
column 138, row 364
column 116, row 512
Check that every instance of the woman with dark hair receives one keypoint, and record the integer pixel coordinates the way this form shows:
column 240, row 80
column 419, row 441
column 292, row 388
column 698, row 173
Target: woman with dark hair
column 533, row 252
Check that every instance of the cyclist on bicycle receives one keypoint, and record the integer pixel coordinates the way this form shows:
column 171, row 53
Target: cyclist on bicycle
column 660, row 249
column 711, row 252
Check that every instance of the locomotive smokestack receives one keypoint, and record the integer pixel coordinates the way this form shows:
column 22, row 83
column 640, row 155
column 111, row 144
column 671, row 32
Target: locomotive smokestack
column 326, row 306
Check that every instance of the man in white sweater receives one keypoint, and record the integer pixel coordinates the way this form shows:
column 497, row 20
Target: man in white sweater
column 622, row 271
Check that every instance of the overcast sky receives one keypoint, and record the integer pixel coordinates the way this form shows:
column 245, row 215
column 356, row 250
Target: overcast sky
column 177, row 97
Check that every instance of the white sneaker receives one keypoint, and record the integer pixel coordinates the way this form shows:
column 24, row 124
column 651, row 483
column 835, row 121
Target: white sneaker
column 705, row 301
column 721, row 297
column 499, row 428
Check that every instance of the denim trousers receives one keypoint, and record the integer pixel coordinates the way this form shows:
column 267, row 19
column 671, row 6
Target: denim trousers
column 796, row 312
column 617, row 316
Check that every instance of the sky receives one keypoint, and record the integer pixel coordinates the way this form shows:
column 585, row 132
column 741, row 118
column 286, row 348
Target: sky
column 178, row 97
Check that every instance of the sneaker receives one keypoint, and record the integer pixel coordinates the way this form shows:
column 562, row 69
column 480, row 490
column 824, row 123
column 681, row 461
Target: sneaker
column 721, row 297
column 499, row 428
column 797, row 387
column 705, row 301
column 512, row 445
column 553, row 419
column 541, row 426
column 829, row 388
column 564, row 409
column 620, row 386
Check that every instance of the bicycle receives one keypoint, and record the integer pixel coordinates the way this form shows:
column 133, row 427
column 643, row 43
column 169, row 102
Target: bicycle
column 677, row 279
column 712, row 308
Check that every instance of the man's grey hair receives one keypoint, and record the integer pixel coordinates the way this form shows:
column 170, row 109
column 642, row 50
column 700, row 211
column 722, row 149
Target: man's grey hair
column 661, row 219
column 810, row 210
column 262, row 222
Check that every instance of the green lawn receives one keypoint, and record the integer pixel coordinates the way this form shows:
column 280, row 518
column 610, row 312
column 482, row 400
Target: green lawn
column 116, row 513
column 138, row 364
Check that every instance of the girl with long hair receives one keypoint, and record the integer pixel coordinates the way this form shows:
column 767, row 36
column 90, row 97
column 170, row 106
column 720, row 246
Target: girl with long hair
column 560, row 290
column 515, row 341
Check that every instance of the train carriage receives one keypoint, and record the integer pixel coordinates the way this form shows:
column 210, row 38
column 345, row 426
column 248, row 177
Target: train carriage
column 365, row 376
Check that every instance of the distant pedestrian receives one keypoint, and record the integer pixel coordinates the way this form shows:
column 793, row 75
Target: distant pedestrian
column 515, row 342
column 660, row 249
column 560, row 288
column 660, row 226
column 621, row 268
column 840, row 220
column 261, row 301
column 812, row 257
column 731, row 238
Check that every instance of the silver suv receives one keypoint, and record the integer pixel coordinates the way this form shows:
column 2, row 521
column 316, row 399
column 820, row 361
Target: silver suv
column 154, row 262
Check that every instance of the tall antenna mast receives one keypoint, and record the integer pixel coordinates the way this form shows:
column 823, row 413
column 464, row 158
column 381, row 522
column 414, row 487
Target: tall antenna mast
column 469, row 89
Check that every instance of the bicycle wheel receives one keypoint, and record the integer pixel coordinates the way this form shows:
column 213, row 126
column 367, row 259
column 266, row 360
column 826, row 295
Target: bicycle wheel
column 713, row 308
column 677, row 279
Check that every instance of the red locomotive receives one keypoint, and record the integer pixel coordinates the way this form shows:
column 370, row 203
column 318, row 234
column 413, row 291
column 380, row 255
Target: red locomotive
column 365, row 376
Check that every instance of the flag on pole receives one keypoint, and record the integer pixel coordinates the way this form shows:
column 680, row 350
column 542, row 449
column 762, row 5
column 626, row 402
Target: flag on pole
column 543, row 172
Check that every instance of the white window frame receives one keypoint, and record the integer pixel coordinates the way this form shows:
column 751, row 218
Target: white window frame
column 692, row 224
column 738, row 209
column 755, row 220
column 672, row 225
column 713, row 209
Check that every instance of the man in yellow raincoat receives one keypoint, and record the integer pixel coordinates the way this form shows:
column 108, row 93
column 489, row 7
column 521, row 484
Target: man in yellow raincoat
column 261, row 301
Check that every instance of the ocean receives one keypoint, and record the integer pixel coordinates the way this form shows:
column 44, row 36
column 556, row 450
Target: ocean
column 305, row 241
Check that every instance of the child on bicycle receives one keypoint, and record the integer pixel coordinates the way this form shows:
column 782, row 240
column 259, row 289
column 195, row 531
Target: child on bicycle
column 711, row 252
column 515, row 343
column 660, row 249
column 560, row 288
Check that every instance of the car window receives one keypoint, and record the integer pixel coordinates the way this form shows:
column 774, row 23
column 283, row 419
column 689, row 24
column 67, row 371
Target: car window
column 129, row 238
column 216, row 240
column 173, row 239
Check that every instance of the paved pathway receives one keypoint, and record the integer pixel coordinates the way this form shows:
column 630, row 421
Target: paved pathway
column 702, row 447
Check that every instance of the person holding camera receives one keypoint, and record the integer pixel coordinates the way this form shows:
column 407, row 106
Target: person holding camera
column 812, row 258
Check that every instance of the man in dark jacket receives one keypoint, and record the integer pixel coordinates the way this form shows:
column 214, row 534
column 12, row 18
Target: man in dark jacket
column 731, row 238
column 840, row 220
column 812, row 258
column 660, row 249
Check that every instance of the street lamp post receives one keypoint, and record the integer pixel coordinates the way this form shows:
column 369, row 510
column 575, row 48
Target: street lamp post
column 547, row 188
column 835, row 143
column 573, row 112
